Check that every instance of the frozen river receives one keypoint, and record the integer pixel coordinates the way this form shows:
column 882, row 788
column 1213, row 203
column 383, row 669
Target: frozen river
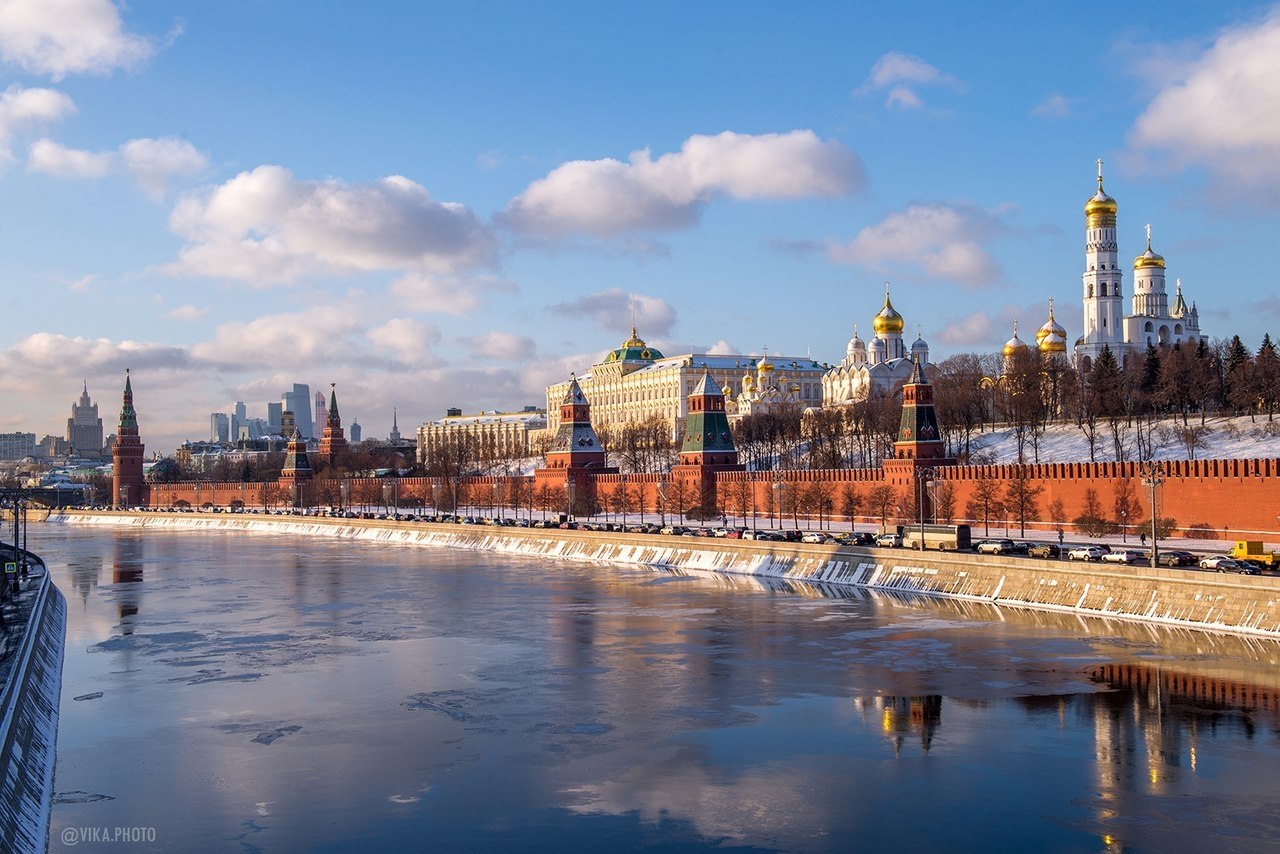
column 225, row 692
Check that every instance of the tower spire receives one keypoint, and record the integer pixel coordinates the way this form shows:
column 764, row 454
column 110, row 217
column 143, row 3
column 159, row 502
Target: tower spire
column 1099, row 174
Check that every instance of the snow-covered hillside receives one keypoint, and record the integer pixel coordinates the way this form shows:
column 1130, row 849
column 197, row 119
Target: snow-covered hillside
column 1225, row 438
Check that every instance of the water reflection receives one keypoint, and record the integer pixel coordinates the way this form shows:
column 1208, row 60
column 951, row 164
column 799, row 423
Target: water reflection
column 488, row 702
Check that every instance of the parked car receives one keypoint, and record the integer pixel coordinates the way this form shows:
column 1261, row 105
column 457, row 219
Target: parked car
column 994, row 547
column 1126, row 556
column 890, row 539
column 1222, row 563
column 815, row 537
column 862, row 538
column 1086, row 553
column 1043, row 550
column 1176, row 557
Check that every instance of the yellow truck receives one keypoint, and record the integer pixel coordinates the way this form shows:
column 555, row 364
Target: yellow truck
column 1254, row 552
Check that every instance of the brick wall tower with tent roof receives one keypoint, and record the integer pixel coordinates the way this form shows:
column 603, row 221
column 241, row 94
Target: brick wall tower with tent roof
column 919, row 447
column 128, row 487
column 708, row 443
column 575, row 456
column 333, row 444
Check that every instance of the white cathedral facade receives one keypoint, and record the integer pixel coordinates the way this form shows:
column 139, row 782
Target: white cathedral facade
column 1151, row 321
column 883, row 366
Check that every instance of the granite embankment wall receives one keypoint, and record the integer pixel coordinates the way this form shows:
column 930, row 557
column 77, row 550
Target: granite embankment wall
column 29, row 714
column 1193, row 598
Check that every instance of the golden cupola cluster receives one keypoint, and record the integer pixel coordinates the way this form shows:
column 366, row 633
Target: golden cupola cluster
column 1051, row 337
column 888, row 321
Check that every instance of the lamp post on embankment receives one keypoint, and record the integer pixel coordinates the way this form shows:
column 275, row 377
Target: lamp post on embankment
column 1153, row 477
column 924, row 480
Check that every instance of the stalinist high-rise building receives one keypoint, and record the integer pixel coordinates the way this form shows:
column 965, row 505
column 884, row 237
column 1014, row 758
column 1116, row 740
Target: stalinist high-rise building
column 84, row 427
column 1151, row 320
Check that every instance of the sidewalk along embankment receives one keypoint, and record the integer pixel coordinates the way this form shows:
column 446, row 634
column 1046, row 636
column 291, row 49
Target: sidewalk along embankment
column 34, row 634
column 1185, row 597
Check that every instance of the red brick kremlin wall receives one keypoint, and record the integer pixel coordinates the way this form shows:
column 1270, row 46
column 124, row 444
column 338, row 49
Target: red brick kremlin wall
column 1231, row 497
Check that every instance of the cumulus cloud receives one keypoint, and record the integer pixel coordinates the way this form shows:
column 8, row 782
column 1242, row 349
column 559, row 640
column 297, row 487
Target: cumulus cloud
column 153, row 163
column 1052, row 107
column 409, row 340
column 899, row 75
column 323, row 334
column 1222, row 113
column 431, row 294
column 977, row 329
column 22, row 109
column 61, row 37
column 608, row 197
column 504, row 346
column 940, row 241
column 611, row 309
column 45, row 353
column 187, row 312
column 266, row 226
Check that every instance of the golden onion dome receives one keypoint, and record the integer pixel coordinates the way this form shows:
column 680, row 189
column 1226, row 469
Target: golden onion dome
column 764, row 366
column 1080, row 341
column 1053, row 343
column 1014, row 344
column 1100, row 203
column 888, row 321
column 1050, row 327
column 1149, row 258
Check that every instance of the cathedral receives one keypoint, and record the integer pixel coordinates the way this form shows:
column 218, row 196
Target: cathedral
column 1151, row 320
column 883, row 366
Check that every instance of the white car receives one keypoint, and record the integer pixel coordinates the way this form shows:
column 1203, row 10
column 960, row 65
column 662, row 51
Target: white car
column 1126, row 556
column 1086, row 553
column 893, row 541
column 814, row 537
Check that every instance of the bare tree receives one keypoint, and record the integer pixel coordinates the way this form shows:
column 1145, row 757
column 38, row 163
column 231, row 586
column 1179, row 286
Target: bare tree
column 985, row 502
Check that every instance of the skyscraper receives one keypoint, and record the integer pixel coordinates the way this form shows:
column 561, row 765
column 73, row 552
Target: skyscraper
column 84, row 427
column 298, row 402
column 219, row 429
column 274, row 411
column 237, row 420
column 321, row 413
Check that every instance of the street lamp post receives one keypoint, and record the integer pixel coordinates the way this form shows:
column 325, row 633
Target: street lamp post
column 662, row 500
column 345, row 491
column 622, row 484
column 435, row 497
column 1124, row 526
column 779, row 488
column 569, row 488
column 924, row 479
column 1153, row 477
column 386, row 498
column 497, row 496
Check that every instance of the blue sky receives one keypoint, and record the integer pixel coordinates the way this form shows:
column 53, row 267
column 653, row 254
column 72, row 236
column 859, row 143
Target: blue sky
column 453, row 205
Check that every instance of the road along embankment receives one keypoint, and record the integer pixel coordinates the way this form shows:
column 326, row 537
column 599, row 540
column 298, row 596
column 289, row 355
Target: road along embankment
column 1185, row 597
column 36, row 627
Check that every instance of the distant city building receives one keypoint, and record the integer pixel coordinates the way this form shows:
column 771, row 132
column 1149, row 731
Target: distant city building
column 506, row 433
column 84, row 427
column 298, row 402
column 355, row 432
column 321, row 415
column 883, row 366
column 274, row 411
column 51, row 447
column 394, row 438
column 636, row 382
column 219, row 427
column 237, row 420
column 16, row 446
column 1151, row 321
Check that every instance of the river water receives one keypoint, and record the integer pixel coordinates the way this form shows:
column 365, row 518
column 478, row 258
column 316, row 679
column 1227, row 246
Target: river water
column 232, row 692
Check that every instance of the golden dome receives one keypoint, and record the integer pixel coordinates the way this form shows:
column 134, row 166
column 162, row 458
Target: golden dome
column 1053, row 343
column 1100, row 204
column 888, row 321
column 764, row 366
column 1014, row 344
column 1150, row 258
column 1051, row 327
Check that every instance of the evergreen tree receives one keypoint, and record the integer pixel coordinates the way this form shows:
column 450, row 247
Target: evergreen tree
column 1235, row 376
column 1266, row 376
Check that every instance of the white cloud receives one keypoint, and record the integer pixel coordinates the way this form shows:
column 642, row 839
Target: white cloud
column 1222, row 114
column 723, row 348
column 1052, row 107
column 266, row 226
column 900, row 75
column 609, row 197
column 504, row 346
column 187, row 312
column 325, row 334
column 22, row 109
column 611, row 309
column 61, row 37
column 50, row 157
column 432, row 294
column 977, row 329
column 408, row 339
column 153, row 163
column 940, row 241
column 45, row 353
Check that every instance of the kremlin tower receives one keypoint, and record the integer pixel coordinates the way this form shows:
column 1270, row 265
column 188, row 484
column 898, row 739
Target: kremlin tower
column 127, row 484
column 708, row 443
column 576, row 454
column 333, row 444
